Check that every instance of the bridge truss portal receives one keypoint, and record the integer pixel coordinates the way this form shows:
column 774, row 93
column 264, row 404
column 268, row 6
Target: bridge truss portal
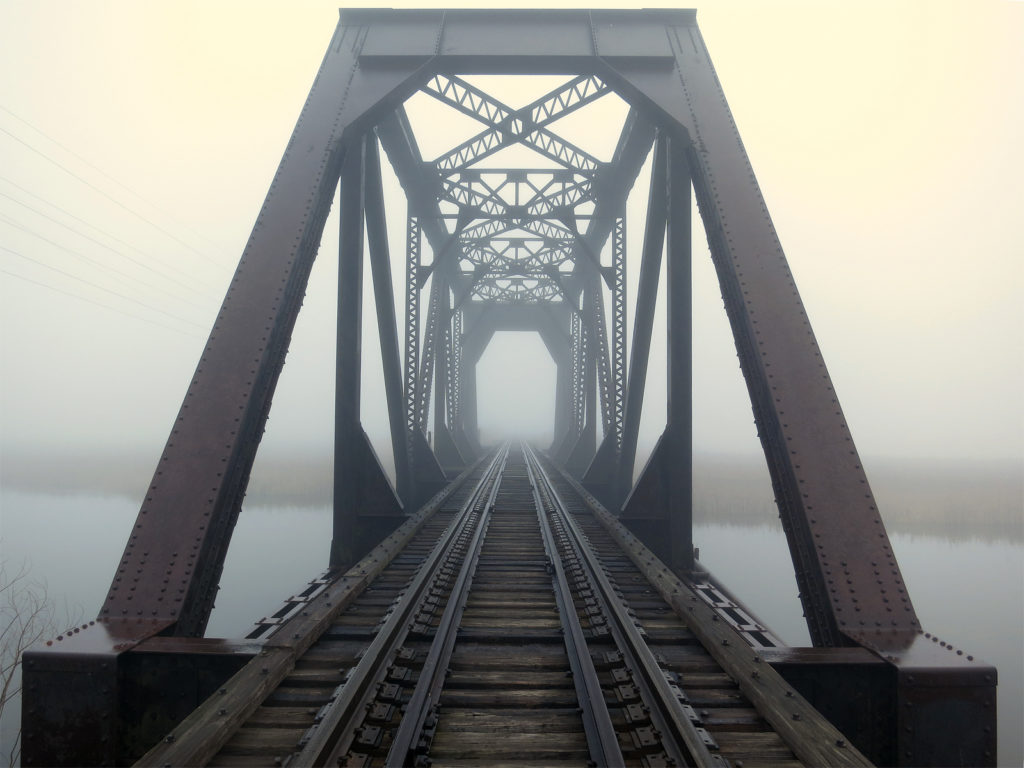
column 514, row 228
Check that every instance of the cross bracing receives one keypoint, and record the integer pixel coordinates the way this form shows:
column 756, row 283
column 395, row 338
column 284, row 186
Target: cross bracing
column 535, row 245
column 521, row 235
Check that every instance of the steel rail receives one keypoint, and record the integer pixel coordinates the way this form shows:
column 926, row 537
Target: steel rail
column 811, row 737
column 196, row 740
column 667, row 713
column 427, row 692
column 335, row 731
column 602, row 738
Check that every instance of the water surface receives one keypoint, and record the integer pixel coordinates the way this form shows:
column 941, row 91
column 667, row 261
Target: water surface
column 969, row 591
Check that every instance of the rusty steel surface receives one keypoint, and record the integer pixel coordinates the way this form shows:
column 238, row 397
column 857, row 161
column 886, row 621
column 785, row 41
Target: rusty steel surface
column 70, row 692
column 175, row 552
column 849, row 580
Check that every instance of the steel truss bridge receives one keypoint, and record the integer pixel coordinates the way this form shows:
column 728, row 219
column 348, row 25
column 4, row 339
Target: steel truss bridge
column 505, row 604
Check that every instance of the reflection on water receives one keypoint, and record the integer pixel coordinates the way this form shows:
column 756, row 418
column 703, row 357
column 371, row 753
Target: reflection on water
column 968, row 592
column 274, row 553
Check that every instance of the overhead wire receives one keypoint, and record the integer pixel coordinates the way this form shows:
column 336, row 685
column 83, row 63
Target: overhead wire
column 123, row 255
column 120, row 274
column 70, row 215
column 99, row 170
column 110, row 197
column 97, row 303
column 95, row 262
column 100, row 287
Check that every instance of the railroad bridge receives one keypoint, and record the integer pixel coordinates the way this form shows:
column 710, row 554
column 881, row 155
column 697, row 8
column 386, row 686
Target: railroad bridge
column 511, row 604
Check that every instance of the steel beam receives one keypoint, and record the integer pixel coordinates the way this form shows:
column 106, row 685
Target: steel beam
column 643, row 321
column 679, row 416
column 348, row 362
column 412, row 328
column 586, row 444
column 447, row 451
column 618, row 271
column 850, row 583
column 428, row 354
column 175, row 552
column 384, row 301
column 365, row 506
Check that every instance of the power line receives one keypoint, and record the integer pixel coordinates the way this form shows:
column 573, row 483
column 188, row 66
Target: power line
column 69, row 214
column 100, row 287
column 99, row 170
column 121, row 184
column 98, row 303
column 125, row 276
column 102, row 244
column 112, row 198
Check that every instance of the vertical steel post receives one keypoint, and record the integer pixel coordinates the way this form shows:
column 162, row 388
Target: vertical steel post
column 454, row 366
column 618, row 383
column 599, row 332
column 412, row 335
column 468, row 408
column 384, row 300
column 563, row 397
column 442, row 355
column 428, row 354
column 679, row 428
column 577, row 374
column 643, row 321
column 348, row 364
column 591, row 349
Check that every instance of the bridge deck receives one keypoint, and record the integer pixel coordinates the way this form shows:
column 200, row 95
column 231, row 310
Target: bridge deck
column 510, row 621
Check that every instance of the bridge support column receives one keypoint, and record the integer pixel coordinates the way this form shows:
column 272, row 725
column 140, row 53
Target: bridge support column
column 563, row 398
column 679, row 427
column 365, row 506
column 583, row 450
column 643, row 323
column 470, row 420
column 445, row 447
column 387, row 327
column 660, row 509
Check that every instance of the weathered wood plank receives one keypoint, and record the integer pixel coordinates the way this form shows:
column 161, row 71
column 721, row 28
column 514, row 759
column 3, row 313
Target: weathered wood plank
column 765, row 746
column 548, row 623
column 706, row 680
column 282, row 717
column 299, row 697
column 245, row 761
column 499, row 721
column 263, row 741
column 507, row 679
column 733, row 719
column 499, row 615
column 530, row 746
column 540, row 657
column 314, row 677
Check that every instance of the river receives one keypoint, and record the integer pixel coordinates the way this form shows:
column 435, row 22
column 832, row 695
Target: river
column 969, row 591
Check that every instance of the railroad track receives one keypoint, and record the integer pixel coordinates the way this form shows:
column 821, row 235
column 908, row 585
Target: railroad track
column 511, row 621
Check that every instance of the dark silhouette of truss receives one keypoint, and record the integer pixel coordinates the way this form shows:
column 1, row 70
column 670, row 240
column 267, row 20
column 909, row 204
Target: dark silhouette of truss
column 540, row 247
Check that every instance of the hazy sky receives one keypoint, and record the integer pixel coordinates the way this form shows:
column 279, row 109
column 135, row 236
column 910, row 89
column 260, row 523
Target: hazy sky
column 137, row 142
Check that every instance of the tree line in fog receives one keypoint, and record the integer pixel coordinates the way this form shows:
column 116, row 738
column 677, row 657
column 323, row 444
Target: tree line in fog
column 944, row 499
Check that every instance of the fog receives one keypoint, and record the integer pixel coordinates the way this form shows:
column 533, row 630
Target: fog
column 137, row 142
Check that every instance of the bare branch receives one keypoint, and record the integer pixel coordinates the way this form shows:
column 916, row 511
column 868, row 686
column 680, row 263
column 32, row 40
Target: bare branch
column 27, row 616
